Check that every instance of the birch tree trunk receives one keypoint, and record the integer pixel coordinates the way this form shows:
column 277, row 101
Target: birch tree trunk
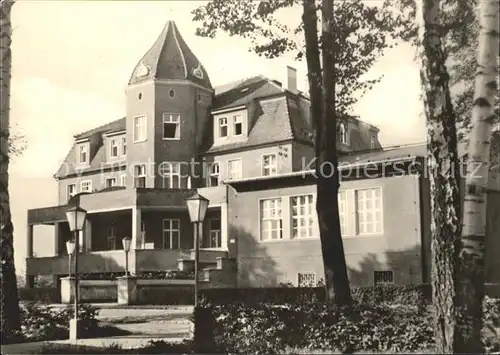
column 443, row 172
column 10, row 322
column 322, row 95
column 471, row 278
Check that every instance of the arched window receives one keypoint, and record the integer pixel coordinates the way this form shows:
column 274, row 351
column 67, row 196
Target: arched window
column 343, row 133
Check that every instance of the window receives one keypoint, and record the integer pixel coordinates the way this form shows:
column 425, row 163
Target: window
column 343, row 212
column 343, row 133
column 112, row 238
column 171, row 126
column 83, row 154
column 271, row 220
column 110, row 182
column 223, row 127
column 269, row 165
column 373, row 142
column 171, row 173
column 237, row 125
column 213, row 177
column 383, row 277
column 71, row 190
column 302, row 216
column 214, row 234
column 234, row 169
column 306, row 279
column 369, row 211
column 171, row 93
column 171, row 234
column 123, row 180
column 86, row 186
column 140, row 132
column 124, row 146
column 113, row 148
column 140, row 176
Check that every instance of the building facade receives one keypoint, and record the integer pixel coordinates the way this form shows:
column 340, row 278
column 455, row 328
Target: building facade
column 248, row 147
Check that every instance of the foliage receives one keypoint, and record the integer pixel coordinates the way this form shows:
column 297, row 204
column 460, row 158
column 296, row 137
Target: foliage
column 362, row 33
column 40, row 294
column 153, row 347
column 154, row 275
column 417, row 295
column 41, row 322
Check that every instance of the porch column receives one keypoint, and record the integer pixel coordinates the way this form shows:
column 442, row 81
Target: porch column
column 223, row 226
column 136, row 228
column 87, row 235
column 29, row 241
column 57, row 233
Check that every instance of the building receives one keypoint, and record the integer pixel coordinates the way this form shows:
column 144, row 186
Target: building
column 247, row 147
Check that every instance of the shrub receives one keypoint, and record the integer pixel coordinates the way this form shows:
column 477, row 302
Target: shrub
column 41, row 295
column 41, row 322
column 273, row 329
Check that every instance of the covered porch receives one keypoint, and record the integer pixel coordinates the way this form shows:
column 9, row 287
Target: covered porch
column 159, row 226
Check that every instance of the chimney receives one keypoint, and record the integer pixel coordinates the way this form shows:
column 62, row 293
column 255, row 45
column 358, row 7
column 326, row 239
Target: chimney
column 291, row 75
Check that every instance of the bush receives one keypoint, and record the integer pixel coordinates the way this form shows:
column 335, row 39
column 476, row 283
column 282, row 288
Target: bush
column 417, row 295
column 41, row 322
column 41, row 295
column 272, row 329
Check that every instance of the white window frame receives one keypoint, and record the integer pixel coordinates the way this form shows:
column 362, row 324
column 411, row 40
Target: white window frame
column 140, row 131
column 343, row 212
column 230, row 174
column 214, row 234
column 172, row 118
column 123, row 180
column 361, row 203
column 266, row 214
column 124, row 147
column 220, row 125
column 110, row 179
column 113, row 143
column 71, row 194
column 86, row 182
column 343, row 133
column 170, row 171
column 212, row 174
column 305, row 222
column 168, row 231
column 111, row 237
column 83, row 148
column 302, row 279
column 140, row 175
column 237, row 119
column 269, row 169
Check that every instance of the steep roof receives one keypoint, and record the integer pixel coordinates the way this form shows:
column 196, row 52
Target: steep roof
column 110, row 127
column 170, row 58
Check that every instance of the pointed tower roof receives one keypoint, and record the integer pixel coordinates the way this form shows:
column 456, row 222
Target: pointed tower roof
column 170, row 59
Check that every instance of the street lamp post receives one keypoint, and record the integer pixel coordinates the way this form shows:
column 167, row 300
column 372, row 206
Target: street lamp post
column 126, row 247
column 76, row 219
column 70, row 248
column 197, row 208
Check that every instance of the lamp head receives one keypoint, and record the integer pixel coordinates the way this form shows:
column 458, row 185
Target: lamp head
column 76, row 218
column 197, row 207
column 126, row 241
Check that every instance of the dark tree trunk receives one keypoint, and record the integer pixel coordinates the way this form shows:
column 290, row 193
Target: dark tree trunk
column 10, row 322
column 322, row 91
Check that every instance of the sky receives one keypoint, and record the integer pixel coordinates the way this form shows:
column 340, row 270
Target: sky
column 72, row 61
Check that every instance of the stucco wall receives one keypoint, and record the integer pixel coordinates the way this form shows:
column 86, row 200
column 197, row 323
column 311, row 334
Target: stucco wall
column 398, row 248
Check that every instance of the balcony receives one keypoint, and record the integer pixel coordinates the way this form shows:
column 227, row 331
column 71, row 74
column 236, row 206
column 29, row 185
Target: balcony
column 140, row 260
column 121, row 199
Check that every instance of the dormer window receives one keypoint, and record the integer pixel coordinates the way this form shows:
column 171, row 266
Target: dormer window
column 223, row 127
column 237, row 125
column 83, row 154
column 373, row 142
column 343, row 133
column 171, row 126
column 113, row 148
